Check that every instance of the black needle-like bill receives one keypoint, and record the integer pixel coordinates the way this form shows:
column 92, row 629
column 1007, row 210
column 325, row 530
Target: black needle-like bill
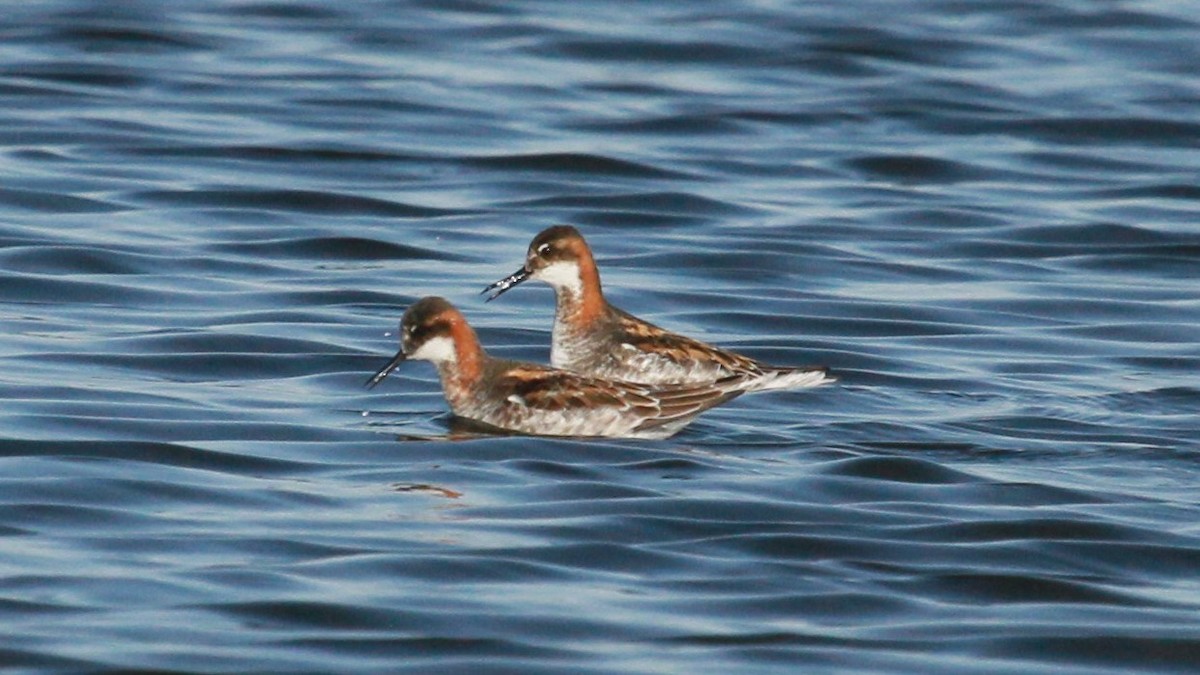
column 498, row 288
column 383, row 372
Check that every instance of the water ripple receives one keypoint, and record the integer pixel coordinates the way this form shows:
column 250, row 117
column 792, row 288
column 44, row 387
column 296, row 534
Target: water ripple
column 981, row 216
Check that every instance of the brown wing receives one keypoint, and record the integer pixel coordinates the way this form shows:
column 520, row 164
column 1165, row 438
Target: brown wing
column 677, row 403
column 563, row 391
column 559, row 390
column 678, row 348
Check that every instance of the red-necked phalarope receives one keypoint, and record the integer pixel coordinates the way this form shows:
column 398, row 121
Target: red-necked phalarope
column 541, row 400
column 594, row 338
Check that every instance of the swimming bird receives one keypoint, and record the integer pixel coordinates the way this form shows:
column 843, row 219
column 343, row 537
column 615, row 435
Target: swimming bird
column 536, row 399
column 592, row 337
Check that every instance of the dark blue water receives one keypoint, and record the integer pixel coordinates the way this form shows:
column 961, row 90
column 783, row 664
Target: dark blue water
column 984, row 216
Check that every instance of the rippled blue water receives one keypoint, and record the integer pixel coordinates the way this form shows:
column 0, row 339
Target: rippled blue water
column 984, row 216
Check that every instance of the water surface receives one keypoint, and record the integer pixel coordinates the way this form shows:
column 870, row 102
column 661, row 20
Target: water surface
column 983, row 217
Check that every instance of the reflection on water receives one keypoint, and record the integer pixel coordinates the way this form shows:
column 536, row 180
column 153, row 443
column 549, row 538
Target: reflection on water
column 457, row 429
column 423, row 488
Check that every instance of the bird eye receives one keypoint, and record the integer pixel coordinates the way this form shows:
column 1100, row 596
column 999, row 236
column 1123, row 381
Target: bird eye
column 543, row 249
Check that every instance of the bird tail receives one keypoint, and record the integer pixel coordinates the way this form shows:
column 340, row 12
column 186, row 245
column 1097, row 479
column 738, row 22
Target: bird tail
column 792, row 378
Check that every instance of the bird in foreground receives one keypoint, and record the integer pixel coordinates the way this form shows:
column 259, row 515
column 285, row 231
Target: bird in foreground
column 534, row 399
column 591, row 336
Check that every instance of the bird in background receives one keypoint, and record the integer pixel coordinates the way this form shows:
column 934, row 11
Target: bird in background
column 593, row 337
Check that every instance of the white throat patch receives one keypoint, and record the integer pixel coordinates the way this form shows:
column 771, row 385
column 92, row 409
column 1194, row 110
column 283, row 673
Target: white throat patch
column 439, row 350
column 562, row 275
